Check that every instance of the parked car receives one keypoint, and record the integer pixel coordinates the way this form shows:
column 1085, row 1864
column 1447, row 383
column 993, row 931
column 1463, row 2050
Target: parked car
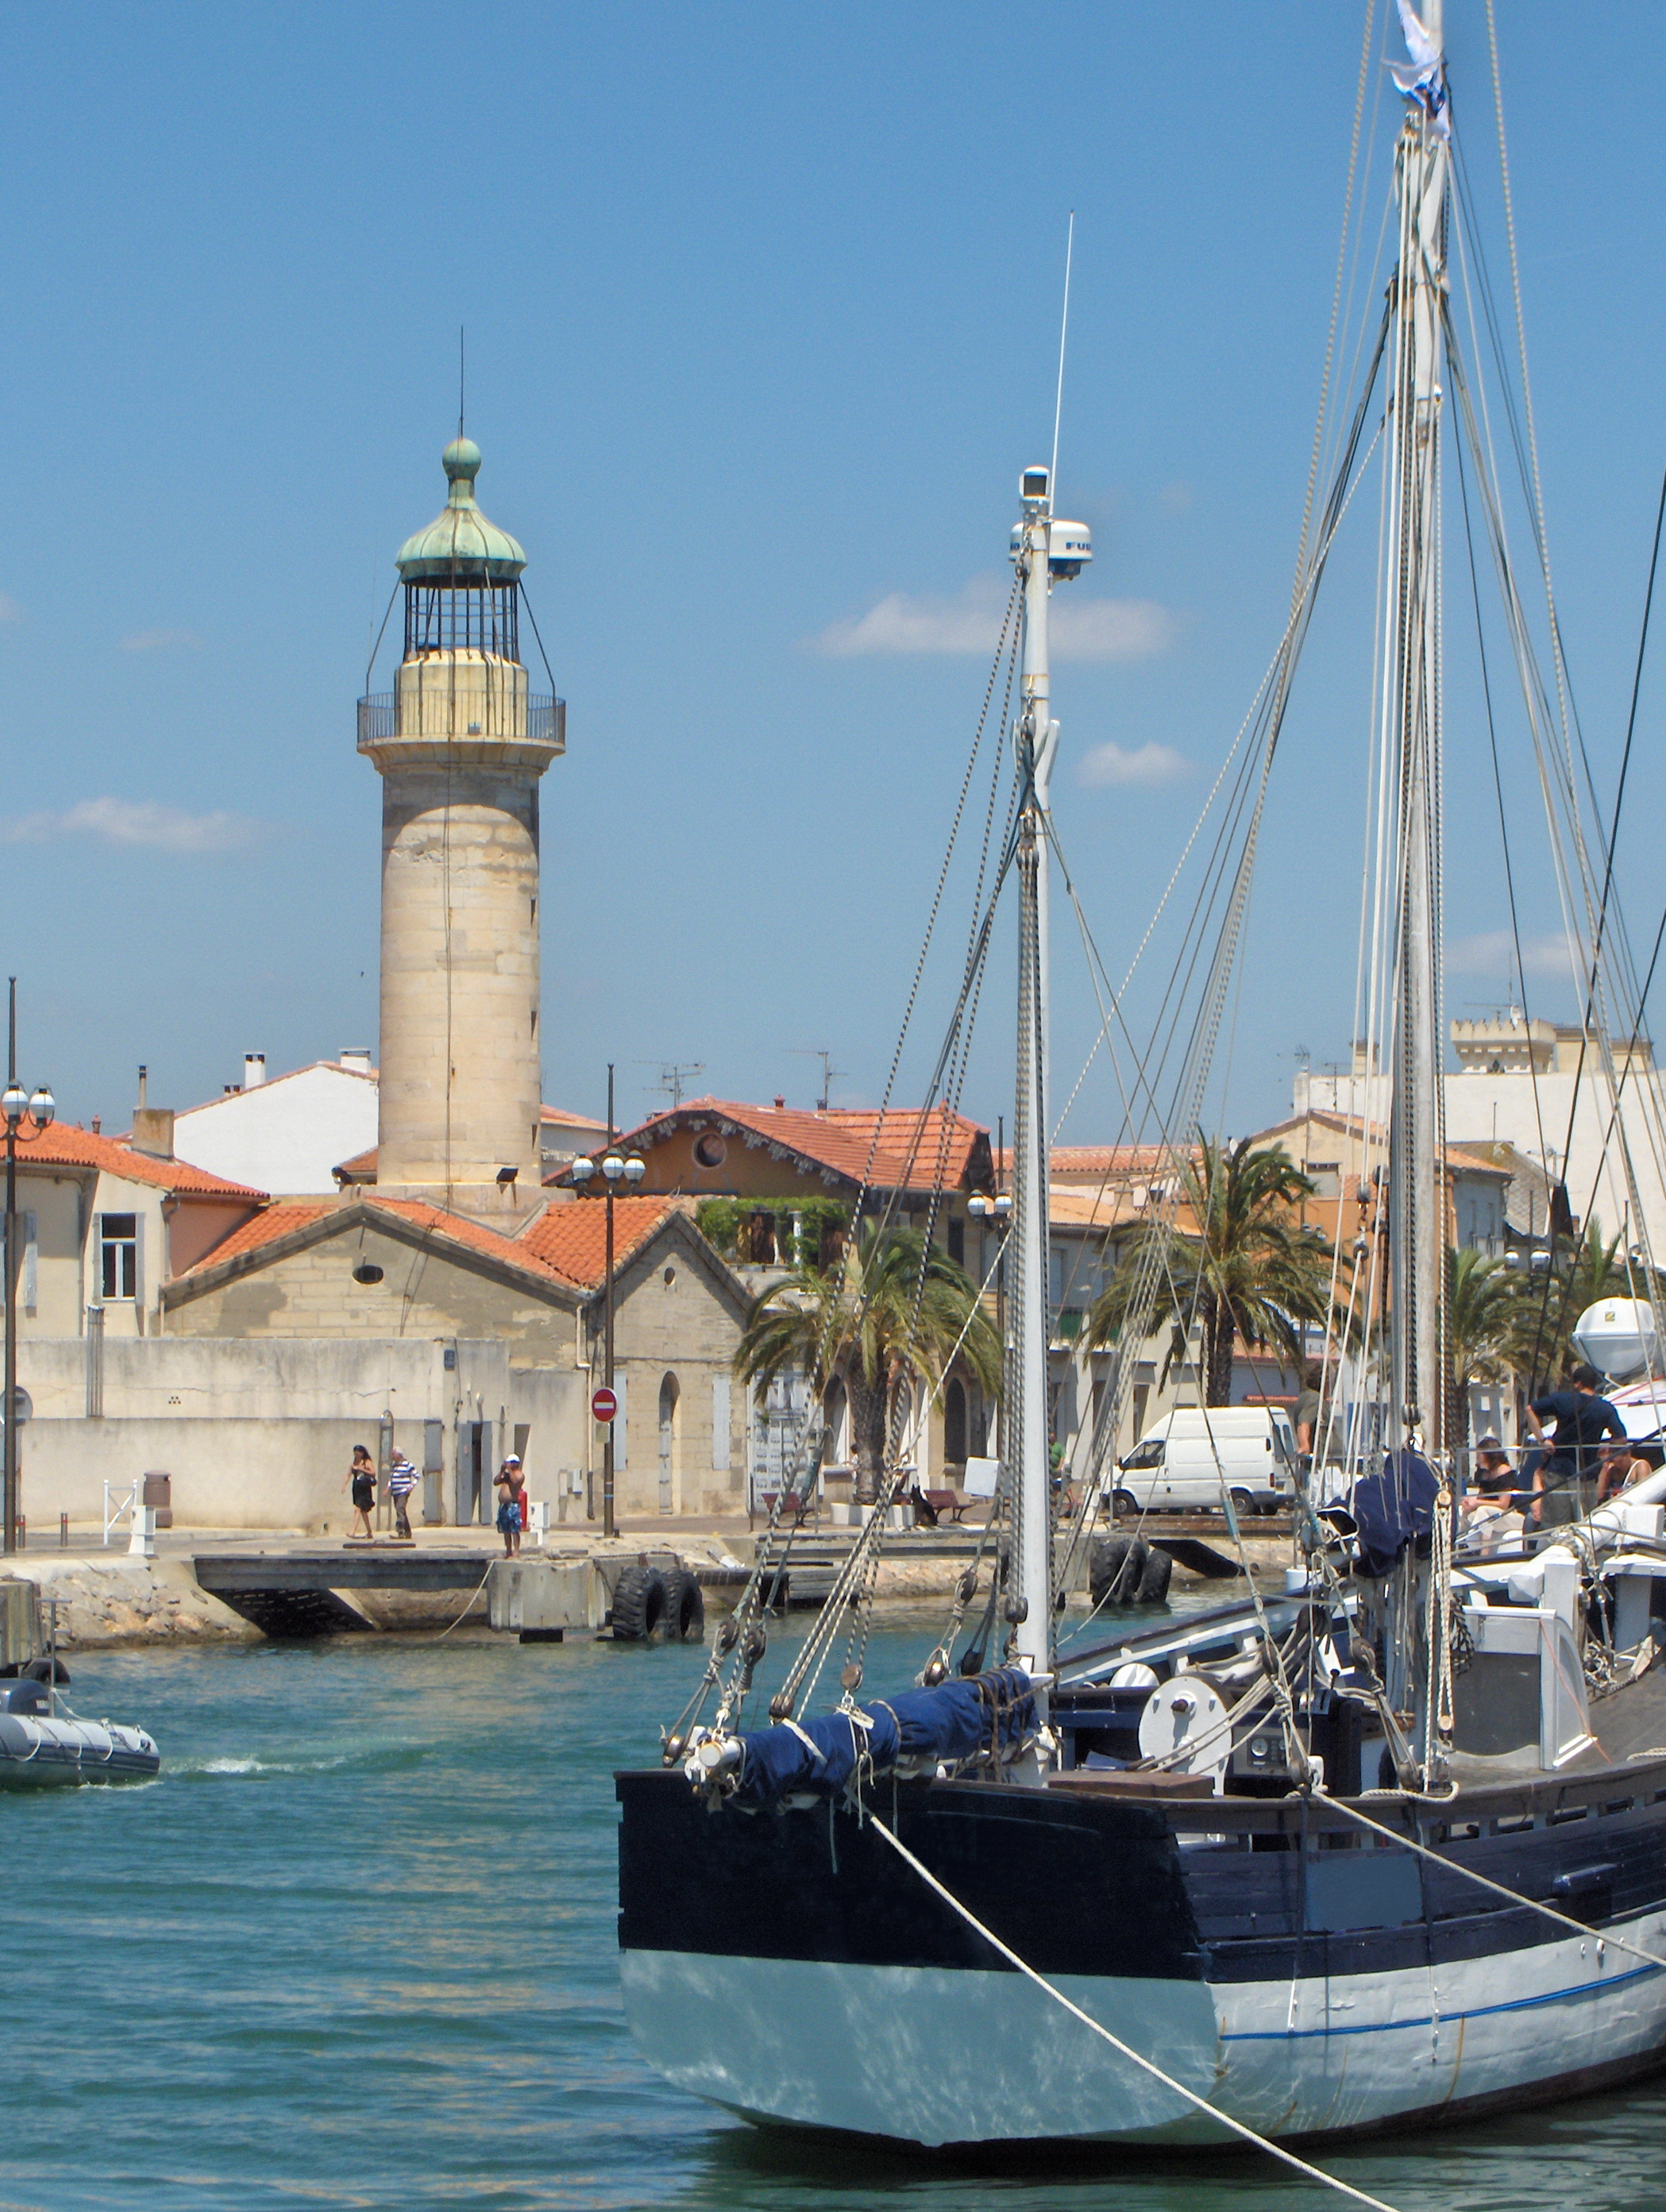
column 1197, row 1452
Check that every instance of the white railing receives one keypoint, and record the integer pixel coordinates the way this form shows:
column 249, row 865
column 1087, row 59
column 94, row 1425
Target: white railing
column 127, row 1504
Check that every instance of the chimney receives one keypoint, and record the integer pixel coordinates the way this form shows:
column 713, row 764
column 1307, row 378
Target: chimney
column 357, row 1057
column 254, row 1070
column 153, row 1132
column 141, row 1080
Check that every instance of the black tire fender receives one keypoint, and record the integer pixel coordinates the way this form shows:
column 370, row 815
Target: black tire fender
column 639, row 1605
column 1154, row 1583
column 1116, row 1569
column 1125, row 1589
column 685, row 1607
column 1104, row 1562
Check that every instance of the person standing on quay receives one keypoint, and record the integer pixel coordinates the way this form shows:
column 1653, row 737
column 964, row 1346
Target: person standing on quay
column 402, row 1480
column 362, row 1476
column 511, row 1493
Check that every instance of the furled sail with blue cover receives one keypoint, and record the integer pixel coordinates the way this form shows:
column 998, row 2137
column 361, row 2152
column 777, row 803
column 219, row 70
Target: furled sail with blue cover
column 956, row 1721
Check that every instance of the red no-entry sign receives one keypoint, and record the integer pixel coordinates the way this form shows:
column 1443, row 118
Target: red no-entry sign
column 604, row 1405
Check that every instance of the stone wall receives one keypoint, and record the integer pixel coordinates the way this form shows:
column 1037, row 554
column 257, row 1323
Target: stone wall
column 679, row 1319
column 460, row 1094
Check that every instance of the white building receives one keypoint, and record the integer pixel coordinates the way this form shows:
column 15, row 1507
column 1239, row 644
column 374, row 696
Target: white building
column 300, row 1135
column 287, row 1135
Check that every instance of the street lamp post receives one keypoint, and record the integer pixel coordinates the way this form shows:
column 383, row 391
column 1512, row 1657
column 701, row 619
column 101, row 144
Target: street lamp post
column 617, row 1168
column 998, row 1211
column 40, row 1107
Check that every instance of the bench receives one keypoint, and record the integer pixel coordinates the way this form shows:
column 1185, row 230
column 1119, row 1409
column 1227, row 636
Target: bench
column 796, row 1507
column 946, row 1501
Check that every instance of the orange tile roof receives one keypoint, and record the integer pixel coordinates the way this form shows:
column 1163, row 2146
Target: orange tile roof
column 1375, row 1135
column 902, row 1149
column 573, row 1238
column 558, row 1117
column 566, row 1243
column 283, row 1217
column 65, row 1144
column 266, row 1227
column 1099, row 1159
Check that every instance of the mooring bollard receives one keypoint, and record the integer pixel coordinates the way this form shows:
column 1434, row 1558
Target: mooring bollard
column 63, row 1532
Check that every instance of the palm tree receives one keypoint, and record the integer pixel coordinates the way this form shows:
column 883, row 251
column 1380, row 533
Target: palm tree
column 1490, row 1314
column 1579, row 1275
column 868, row 1321
column 1248, row 1270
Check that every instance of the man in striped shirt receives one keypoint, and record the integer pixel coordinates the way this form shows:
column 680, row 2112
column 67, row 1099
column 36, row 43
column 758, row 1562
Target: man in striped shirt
column 402, row 1480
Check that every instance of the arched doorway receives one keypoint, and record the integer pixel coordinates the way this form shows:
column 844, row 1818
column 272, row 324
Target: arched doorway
column 954, row 1425
column 670, row 1398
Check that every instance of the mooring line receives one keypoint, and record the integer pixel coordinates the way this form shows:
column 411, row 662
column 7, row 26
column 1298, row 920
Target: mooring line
column 1213, row 2111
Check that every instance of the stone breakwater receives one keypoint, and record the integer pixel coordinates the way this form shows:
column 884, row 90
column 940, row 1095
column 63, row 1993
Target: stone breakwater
column 125, row 1601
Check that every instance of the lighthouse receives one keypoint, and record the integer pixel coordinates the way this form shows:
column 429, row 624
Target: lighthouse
column 460, row 743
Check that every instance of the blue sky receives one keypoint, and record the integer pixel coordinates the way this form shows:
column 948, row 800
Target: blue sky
column 762, row 310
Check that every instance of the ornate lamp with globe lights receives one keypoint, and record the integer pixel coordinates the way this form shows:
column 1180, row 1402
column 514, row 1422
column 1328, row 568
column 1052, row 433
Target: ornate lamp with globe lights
column 615, row 1168
column 40, row 1107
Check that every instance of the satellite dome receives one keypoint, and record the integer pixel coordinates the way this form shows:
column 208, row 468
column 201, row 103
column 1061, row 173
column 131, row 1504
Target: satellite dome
column 1619, row 1338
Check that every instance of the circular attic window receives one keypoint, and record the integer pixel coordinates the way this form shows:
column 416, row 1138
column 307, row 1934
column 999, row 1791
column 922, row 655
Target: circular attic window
column 709, row 1150
column 367, row 1272
column 671, row 1277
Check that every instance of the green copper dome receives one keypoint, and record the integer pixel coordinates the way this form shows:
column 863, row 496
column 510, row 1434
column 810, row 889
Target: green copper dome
column 460, row 545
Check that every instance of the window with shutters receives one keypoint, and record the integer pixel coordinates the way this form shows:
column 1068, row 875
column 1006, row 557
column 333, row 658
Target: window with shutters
column 119, row 1257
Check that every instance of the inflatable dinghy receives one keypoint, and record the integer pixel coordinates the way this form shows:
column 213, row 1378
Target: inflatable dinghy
column 42, row 1742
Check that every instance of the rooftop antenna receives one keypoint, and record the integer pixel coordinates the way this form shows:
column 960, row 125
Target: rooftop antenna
column 831, row 1075
column 673, row 1077
column 1064, row 325
column 462, row 367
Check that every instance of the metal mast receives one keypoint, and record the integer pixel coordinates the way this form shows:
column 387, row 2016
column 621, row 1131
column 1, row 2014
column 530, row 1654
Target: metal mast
column 1417, row 1232
column 1043, row 549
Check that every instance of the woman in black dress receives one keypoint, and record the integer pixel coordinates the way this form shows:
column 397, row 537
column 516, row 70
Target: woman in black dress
column 362, row 1476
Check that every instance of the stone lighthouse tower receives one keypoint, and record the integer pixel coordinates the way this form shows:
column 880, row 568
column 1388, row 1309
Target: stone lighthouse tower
column 460, row 743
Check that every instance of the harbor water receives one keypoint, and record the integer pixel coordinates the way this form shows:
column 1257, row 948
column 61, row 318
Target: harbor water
column 356, row 1948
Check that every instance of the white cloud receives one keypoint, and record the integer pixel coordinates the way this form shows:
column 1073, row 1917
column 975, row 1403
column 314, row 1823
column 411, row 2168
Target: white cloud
column 1149, row 765
column 158, row 640
column 1492, row 953
column 133, row 822
column 1110, row 630
column 969, row 622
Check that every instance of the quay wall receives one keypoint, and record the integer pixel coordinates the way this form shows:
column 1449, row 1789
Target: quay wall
column 258, row 1433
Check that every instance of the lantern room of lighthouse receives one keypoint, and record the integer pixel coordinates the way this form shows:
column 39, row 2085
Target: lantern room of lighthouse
column 460, row 743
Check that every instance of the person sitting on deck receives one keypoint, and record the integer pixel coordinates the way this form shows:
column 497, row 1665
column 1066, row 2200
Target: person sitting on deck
column 1621, row 1465
column 1493, row 1485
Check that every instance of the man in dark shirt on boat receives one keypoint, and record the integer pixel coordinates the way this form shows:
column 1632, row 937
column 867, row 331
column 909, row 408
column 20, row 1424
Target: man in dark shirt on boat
column 1563, row 1486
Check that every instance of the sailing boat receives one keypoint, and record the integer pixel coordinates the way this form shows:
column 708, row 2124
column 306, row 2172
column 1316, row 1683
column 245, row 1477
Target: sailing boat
column 1387, row 1848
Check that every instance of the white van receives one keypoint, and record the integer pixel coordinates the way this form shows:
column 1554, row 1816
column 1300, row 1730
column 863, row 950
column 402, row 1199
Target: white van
column 1183, row 1465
